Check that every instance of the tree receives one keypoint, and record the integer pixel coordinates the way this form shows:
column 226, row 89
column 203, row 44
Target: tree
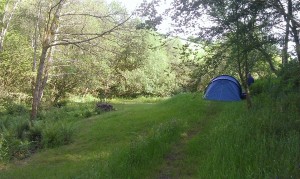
column 57, row 24
column 7, row 15
column 289, row 10
column 240, row 27
column 192, row 16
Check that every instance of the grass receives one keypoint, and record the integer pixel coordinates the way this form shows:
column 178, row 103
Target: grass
column 240, row 143
column 183, row 137
column 102, row 140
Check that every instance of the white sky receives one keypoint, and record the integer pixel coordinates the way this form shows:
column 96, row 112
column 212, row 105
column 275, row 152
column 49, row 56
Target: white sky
column 129, row 4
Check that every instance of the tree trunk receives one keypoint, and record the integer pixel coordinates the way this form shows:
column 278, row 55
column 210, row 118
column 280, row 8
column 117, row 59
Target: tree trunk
column 294, row 28
column 243, row 78
column 42, row 73
column 286, row 43
column 289, row 16
column 34, row 45
column 6, row 21
column 38, row 84
column 48, row 64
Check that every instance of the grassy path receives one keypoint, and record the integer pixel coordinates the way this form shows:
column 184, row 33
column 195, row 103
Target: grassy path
column 127, row 143
column 175, row 165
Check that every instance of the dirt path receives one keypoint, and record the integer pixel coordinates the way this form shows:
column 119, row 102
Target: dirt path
column 173, row 167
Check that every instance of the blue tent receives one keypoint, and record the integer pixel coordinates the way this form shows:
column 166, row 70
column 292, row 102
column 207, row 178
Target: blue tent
column 223, row 88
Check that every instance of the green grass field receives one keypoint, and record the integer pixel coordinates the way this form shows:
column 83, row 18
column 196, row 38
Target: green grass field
column 180, row 137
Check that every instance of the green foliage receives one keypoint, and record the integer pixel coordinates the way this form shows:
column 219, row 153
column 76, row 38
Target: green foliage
column 13, row 108
column 287, row 82
column 14, row 142
column 53, row 128
column 60, row 103
column 35, row 136
column 12, row 147
column 57, row 134
column 290, row 77
column 67, row 76
column 88, row 114
column 15, row 66
column 268, row 86
column 20, row 142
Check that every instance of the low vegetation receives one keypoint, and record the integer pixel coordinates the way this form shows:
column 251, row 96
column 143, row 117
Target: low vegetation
column 221, row 140
column 54, row 127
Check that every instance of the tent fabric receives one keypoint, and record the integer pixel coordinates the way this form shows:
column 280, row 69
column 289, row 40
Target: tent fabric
column 223, row 88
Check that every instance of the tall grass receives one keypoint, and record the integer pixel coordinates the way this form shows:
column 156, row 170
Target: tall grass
column 54, row 127
column 258, row 143
column 145, row 153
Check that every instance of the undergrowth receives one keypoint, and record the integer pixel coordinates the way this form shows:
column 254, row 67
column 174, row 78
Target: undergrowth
column 54, row 127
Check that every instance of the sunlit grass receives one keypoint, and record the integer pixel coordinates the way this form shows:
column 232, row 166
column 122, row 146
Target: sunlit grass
column 99, row 139
column 141, row 99
column 215, row 140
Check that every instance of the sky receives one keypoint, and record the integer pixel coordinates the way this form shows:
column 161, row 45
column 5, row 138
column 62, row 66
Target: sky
column 131, row 5
column 165, row 27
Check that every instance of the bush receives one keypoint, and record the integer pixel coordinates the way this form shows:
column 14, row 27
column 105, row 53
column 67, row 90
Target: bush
column 58, row 134
column 11, row 147
column 266, row 86
column 87, row 114
column 290, row 77
column 61, row 103
column 35, row 136
column 52, row 129
column 22, row 129
column 14, row 108
column 18, row 140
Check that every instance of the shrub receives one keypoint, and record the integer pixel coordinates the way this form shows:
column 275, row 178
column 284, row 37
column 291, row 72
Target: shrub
column 35, row 136
column 52, row 129
column 13, row 140
column 22, row 129
column 4, row 148
column 287, row 82
column 87, row 114
column 61, row 103
column 269, row 86
column 290, row 76
column 57, row 134
column 14, row 108
column 11, row 147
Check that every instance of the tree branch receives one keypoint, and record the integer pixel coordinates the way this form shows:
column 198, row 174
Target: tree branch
column 91, row 15
column 92, row 38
